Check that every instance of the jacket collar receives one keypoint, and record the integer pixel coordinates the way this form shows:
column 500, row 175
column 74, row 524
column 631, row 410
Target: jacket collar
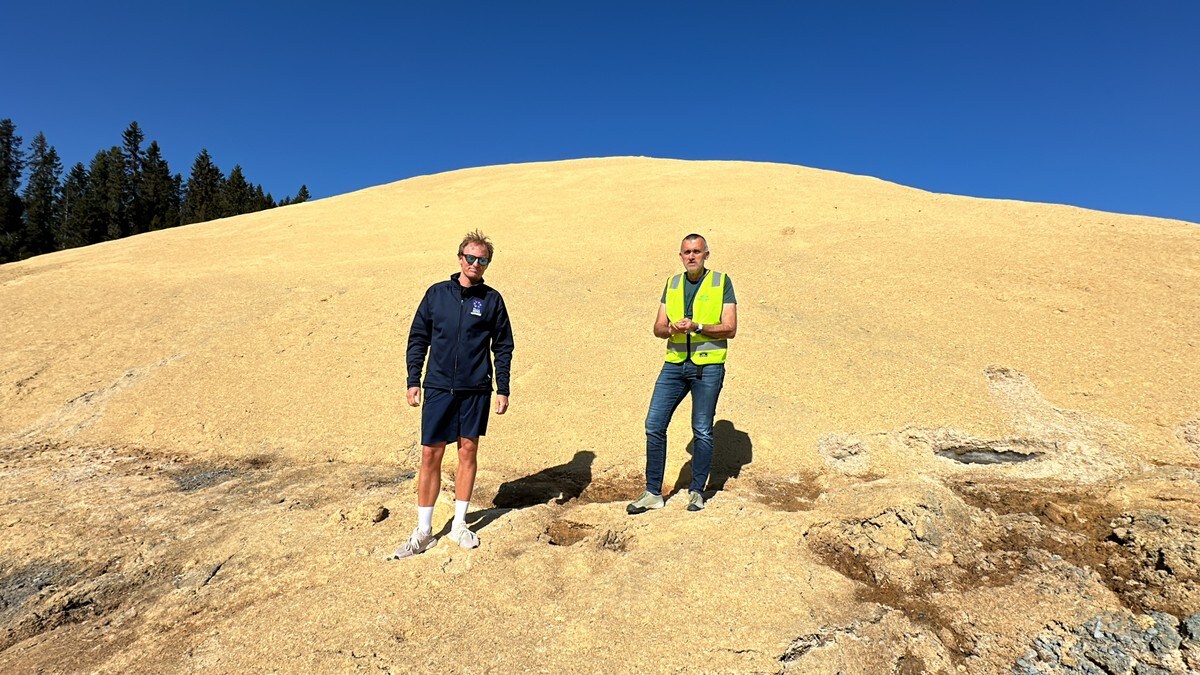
column 467, row 290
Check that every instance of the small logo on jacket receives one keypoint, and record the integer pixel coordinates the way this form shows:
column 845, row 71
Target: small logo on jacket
column 476, row 307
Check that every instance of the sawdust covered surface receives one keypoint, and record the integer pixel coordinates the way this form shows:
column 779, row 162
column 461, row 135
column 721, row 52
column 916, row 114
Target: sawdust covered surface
column 956, row 435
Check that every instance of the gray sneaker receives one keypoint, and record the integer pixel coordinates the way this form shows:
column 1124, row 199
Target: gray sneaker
column 642, row 504
column 695, row 501
column 419, row 542
column 464, row 537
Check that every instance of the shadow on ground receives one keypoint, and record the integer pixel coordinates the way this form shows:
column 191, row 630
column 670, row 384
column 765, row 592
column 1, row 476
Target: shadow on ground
column 560, row 484
column 732, row 450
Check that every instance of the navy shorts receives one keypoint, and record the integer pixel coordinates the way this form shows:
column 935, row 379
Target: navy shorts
column 446, row 417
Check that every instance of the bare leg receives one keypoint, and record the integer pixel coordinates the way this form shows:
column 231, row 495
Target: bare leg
column 429, row 479
column 464, row 478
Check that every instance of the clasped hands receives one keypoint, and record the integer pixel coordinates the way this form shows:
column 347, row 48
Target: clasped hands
column 684, row 326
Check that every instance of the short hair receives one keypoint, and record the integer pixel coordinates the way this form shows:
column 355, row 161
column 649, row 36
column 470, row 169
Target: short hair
column 477, row 237
column 695, row 236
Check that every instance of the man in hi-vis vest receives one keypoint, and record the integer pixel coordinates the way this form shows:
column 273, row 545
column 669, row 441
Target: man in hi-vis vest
column 697, row 317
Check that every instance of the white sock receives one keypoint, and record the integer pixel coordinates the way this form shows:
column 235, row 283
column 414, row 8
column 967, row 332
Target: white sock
column 460, row 512
column 425, row 519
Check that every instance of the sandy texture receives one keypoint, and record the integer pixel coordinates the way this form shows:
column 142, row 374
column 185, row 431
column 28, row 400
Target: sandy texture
column 956, row 434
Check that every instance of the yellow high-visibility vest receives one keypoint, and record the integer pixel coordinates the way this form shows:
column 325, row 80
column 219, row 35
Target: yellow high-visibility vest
column 706, row 311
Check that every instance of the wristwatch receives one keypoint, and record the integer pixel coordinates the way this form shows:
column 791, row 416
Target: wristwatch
column 699, row 327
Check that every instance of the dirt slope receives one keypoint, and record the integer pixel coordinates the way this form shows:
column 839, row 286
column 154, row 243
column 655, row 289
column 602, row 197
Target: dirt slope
column 956, row 435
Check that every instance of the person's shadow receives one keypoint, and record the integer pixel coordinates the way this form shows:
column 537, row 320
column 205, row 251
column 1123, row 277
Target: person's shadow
column 560, row 483
column 732, row 450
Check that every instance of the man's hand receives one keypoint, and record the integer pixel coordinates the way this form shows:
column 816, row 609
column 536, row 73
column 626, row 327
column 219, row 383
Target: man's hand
column 501, row 404
column 683, row 326
column 414, row 396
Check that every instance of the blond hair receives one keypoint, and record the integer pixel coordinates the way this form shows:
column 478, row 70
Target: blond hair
column 477, row 237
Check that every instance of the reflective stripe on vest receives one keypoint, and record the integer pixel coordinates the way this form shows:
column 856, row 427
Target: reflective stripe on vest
column 706, row 310
column 707, row 345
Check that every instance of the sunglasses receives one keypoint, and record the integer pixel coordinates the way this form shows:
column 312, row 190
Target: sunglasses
column 472, row 259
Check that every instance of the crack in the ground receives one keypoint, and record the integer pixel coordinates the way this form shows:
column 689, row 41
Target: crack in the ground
column 826, row 635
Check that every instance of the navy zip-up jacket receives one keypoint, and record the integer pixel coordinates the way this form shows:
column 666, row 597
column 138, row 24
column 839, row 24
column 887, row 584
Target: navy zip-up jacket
column 458, row 326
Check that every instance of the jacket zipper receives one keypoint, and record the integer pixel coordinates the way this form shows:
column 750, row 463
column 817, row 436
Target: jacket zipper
column 457, row 340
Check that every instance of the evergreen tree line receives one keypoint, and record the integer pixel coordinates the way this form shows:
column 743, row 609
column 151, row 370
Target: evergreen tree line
column 126, row 190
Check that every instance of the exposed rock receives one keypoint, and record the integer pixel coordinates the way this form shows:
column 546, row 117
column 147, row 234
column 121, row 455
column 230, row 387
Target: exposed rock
column 867, row 646
column 1112, row 644
column 845, row 453
column 1189, row 433
column 366, row 513
column 1159, row 560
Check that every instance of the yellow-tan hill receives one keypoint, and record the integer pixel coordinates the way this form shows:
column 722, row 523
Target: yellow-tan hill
column 933, row 357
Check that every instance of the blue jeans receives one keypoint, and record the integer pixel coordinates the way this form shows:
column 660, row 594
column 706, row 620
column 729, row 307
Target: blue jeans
column 674, row 382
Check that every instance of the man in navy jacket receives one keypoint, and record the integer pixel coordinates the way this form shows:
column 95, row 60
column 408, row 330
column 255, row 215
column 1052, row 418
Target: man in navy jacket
column 458, row 323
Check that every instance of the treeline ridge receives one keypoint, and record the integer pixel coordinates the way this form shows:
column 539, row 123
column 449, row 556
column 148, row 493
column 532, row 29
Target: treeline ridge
column 125, row 190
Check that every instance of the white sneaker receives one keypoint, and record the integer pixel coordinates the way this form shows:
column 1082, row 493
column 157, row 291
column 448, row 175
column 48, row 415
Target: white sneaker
column 419, row 542
column 464, row 537
column 642, row 504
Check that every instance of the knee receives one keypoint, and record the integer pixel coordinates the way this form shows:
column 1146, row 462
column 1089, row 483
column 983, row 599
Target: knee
column 702, row 429
column 467, row 452
column 432, row 455
column 656, row 424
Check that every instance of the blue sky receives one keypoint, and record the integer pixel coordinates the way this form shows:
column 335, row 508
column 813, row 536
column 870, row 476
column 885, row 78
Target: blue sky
column 1086, row 103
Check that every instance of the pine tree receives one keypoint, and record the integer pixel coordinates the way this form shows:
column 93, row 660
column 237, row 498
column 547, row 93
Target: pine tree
column 42, row 196
column 159, row 192
column 106, row 209
column 12, row 161
column 302, row 195
column 202, row 200
column 180, row 191
column 117, row 196
column 73, row 229
column 237, row 197
column 131, row 150
column 262, row 201
column 131, row 144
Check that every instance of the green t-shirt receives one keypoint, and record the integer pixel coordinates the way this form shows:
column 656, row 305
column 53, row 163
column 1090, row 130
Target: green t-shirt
column 689, row 292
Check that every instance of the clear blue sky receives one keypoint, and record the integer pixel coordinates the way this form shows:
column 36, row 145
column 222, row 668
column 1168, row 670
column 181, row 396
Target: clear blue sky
column 1088, row 103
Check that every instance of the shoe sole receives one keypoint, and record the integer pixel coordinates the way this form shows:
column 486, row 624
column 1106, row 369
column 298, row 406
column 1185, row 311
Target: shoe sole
column 694, row 508
column 635, row 510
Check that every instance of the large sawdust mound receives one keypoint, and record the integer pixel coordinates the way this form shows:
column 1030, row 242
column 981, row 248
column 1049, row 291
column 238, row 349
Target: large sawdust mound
column 956, row 435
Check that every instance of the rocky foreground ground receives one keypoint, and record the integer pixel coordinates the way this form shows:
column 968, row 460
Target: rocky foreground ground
column 143, row 562
column 958, row 435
